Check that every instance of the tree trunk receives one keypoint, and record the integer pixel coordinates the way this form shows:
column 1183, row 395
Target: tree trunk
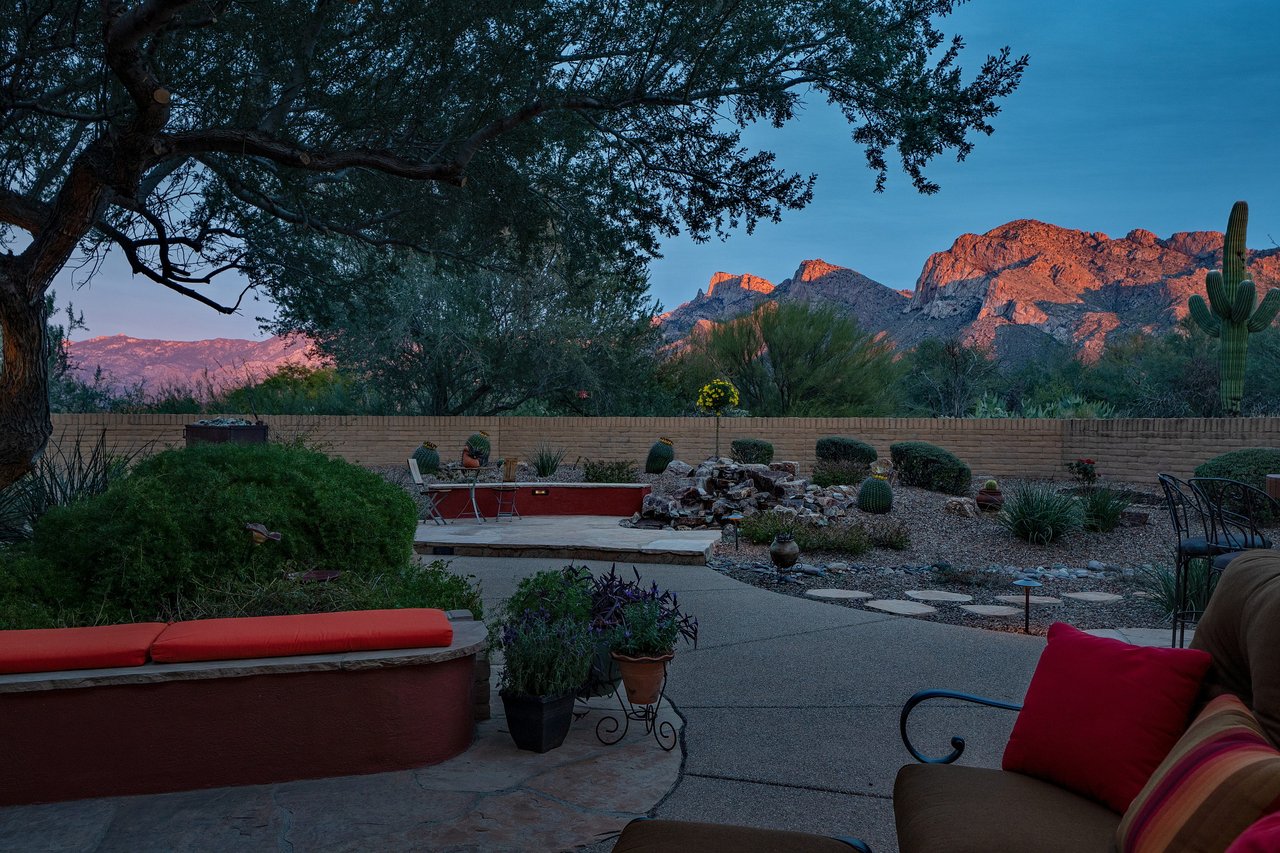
column 25, row 425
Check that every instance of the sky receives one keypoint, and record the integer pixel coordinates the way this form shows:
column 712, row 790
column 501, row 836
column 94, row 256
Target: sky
column 1154, row 115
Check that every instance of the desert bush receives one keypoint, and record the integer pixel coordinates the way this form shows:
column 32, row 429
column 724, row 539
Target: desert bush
column 618, row 471
column 747, row 451
column 1251, row 466
column 838, row 472
column 1040, row 514
column 1162, row 590
column 844, row 538
column 546, row 459
column 176, row 524
column 946, row 574
column 892, row 534
column 839, row 448
column 1102, row 509
column 928, row 466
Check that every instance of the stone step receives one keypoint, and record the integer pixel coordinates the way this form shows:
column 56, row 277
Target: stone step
column 902, row 608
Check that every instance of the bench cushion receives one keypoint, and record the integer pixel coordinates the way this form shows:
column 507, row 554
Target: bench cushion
column 306, row 634
column 947, row 807
column 58, row 649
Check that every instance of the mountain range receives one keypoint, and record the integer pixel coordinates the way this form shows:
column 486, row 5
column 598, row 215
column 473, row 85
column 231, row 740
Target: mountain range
column 1017, row 288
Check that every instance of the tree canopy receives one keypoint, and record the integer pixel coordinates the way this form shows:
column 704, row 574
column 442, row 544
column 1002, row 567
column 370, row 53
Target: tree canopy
column 197, row 138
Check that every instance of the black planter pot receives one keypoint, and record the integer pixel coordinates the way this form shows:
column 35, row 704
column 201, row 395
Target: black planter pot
column 538, row 723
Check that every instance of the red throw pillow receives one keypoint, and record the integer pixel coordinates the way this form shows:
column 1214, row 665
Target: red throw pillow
column 1262, row 837
column 1100, row 715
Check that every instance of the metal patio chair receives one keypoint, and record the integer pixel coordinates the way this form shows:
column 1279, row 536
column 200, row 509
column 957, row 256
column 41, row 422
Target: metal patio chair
column 434, row 497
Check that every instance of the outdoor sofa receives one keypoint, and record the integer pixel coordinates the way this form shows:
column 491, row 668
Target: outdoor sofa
column 148, row 708
column 941, row 807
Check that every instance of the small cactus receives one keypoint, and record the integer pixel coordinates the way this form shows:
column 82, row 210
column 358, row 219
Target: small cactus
column 660, row 456
column 990, row 486
column 875, row 496
column 428, row 458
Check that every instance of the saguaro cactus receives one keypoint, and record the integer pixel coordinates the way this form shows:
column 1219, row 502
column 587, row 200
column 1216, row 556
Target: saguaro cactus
column 1229, row 314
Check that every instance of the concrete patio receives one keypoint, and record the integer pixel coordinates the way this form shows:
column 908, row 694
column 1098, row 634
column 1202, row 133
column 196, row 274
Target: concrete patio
column 565, row 537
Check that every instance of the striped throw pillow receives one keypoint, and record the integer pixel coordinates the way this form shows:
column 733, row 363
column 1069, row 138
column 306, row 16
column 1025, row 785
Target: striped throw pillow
column 1221, row 776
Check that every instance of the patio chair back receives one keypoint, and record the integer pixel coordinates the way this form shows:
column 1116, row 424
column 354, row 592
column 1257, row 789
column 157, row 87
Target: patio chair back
column 415, row 472
column 1235, row 511
column 1191, row 518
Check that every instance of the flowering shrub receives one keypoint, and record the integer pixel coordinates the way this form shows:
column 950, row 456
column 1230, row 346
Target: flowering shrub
column 544, row 656
column 1084, row 471
column 716, row 396
column 637, row 620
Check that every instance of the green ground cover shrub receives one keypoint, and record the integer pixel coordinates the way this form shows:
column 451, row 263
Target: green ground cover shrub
column 842, row 538
column 546, row 459
column 1040, row 514
column 748, row 451
column 618, row 471
column 838, row 472
column 839, row 448
column 928, row 466
column 173, row 529
column 1102, row 509
column 1250, row 465
column 1162, row 590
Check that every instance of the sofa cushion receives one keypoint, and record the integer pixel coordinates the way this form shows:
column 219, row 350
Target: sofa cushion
column 1262, row 837
column 677, row 836
column 305, row 634
column 1220, row 777
column 947, row 807
column 1100, row 715
column 57, row 649
column 1240, row 630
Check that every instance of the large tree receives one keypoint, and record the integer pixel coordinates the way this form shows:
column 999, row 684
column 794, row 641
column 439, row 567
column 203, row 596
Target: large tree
column 176, row 131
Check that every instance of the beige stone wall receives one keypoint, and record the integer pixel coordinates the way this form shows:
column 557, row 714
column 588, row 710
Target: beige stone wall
column 1131, row 449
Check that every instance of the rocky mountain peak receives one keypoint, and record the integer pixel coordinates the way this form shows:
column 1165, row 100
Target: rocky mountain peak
column 746, row 281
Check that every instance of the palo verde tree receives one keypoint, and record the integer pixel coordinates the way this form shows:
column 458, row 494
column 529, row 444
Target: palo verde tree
column 179, row 132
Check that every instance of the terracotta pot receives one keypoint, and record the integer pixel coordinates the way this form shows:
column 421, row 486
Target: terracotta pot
column 989, row 501
column 469, row 461
column 784, row 552
column 643, row 676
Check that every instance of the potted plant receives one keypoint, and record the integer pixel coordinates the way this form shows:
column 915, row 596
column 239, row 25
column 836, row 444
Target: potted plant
column 428, row 458
column 220, row 430
column 644, row 640
column 990, row 498
column 784, row 551
column 475, row 453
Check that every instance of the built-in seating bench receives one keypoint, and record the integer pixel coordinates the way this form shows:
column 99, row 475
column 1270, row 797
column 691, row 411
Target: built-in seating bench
column 148, row 708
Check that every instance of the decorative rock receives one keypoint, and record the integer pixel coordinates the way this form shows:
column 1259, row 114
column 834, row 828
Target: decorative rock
column 836, row 594
column 788, row 467
column 1134, row 518
column 807, row 569
column 991, row 609
column 1035, row 599
column 902, row 608
column 937, row 595
column 961, row 506
column 837, row 566
column 1093, row 597
column 1096, row 565
column 680, row 469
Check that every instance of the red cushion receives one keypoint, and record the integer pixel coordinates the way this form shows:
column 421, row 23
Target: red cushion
column 306, row 634
column 56, row 649
column 1262, row 837
column 1100, row 715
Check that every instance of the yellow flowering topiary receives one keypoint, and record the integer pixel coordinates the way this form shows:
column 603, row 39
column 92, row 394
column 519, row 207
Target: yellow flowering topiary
column 717, row 395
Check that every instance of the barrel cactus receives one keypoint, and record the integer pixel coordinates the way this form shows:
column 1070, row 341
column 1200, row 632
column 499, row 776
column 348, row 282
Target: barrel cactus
column 478, row 444
column 660, row 456
column 1230, row 314
column 427, row 457
column 875, row 495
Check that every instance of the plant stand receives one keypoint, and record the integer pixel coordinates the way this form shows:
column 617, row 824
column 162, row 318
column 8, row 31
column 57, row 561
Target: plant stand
column 613, row 728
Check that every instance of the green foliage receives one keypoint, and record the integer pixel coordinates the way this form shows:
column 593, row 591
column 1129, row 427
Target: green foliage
column 1102, row 509
column 827, row 472
column 1230, row 315
column 1159, row 583
column 1038, row 513
column 1250, row 466
column 842, row 538
column 748, row 451
column 660, row 456
column 556, row 593
column 875, row 496
column 646, row 629
column 890, row 533
column 796, row 360
column 175, row 524
column 946, row 378
column 928, row 466
column 618, row 471
column 428, row 458
column 543, row 657
column 838, row 448
column 546, row 459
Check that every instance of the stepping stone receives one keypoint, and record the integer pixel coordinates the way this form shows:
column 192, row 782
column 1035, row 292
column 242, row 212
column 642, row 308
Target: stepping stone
column 1093, row 597
column 902, row 608
column 836, row 594
column 1035, row 599
column 937, row 595
column 991, row 609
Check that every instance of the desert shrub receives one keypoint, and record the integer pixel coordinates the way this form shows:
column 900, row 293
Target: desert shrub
column 892, row 534
column 838, row 472
column 839, row 448
column 546, row 459
column 946, row 574
column 556, row 593
column 844, row 538
column 928, row 466
column 1251, row 466
column 1162, row 590
column 618, row 471
column 1102, row 509
column 747, row 451
column 1040, row 514
column 176, row 524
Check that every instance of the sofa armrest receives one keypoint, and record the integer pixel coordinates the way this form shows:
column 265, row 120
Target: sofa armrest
column 957, row 742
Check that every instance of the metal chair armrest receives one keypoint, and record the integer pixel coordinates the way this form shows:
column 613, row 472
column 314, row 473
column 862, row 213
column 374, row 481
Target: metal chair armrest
column 957, row 742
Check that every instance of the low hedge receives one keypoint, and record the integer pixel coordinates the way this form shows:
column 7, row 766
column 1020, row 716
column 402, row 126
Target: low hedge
column 928, row 466
column 839, row 448
column 1251, row 466
column 747, row 451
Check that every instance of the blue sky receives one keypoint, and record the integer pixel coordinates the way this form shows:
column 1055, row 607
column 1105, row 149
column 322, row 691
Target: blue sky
column 1131, row 115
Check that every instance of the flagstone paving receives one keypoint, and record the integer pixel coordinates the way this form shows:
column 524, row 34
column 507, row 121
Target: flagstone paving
column 837, row 594
column 1035, row 599
column 1093, row 597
